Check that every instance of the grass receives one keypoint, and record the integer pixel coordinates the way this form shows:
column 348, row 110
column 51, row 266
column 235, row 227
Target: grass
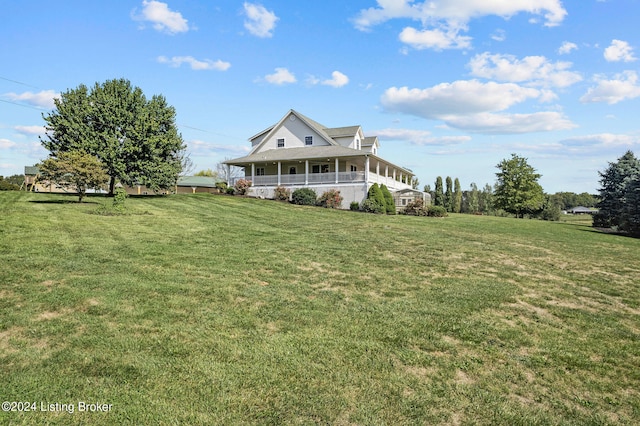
column 201, row 309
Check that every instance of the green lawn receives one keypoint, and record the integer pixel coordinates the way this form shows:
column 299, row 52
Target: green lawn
column 202, row 309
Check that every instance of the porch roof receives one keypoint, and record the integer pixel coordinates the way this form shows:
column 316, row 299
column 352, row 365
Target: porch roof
column 307, row 153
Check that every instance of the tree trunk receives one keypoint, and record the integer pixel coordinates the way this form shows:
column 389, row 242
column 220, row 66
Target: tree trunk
column 112, row 184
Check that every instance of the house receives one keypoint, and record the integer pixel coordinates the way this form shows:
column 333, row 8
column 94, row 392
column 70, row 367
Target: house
column 582, row 210
column 299, row 152
column 403, row 197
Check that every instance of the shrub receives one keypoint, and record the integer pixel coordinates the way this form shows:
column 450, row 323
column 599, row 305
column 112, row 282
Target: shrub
column 281, row 193
column 355, row 206
column 389, row 203
column 242, row 186
column 230, row 190
column 119, row 197
column 221, row 187
column 330, row 199
column 416, row 208
column 370, row 206
column 437, row 211
column 304, row 196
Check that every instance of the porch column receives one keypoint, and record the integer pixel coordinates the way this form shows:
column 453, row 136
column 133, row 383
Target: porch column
column 378, row 168
column 253, row 173
column 366, row 169
column 394, row 175
column 337, row 171
column 386, row 174
column 279, row 171
column 306, row 172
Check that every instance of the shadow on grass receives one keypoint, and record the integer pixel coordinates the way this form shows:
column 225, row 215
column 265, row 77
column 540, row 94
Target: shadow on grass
column 609, row 231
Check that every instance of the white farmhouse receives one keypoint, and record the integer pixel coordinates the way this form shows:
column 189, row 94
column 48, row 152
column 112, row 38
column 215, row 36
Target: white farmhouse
column 298, row 152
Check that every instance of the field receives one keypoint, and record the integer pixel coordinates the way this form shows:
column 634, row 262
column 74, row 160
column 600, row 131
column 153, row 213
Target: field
column 202, row 309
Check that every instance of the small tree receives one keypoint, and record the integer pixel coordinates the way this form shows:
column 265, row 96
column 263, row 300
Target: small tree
column 389, row 203
column 457, row 196
column 474, row 199
column 438, row 199
column 376, row 196
column 74, row 169
column 448, row 195
column 517, row 189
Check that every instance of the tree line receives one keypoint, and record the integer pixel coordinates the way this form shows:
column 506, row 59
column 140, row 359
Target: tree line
column 515, row 192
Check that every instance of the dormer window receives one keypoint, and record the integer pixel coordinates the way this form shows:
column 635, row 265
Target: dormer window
column 308, row 140
column 358, row 146
column 281, row 143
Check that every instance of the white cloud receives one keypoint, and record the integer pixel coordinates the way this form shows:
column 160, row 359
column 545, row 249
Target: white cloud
column 43, row 99
column 419, row 137
column 601, row 139
column 195, row 64
column 162, row 18
column 443, row 20
column 437, row 39
column 535, row 70
column 623, row 86
column 567, row 47
column 490, row 123
column 619, row 51
column 337, row 79
column 499, row 35
column 31, row 130
column 472, row 105
column 260, row 22
column 7, row 144
column 280, row 77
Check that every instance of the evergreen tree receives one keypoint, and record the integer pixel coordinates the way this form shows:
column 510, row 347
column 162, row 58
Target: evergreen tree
column 135, row 139
column 438, row 199
column 613, row 191
column 389, row 203
column 375, row 194
column 457, row 196
column 474, row 199
column 448, row 195
column 630, row 221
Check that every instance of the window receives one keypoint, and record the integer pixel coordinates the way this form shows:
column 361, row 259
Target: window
column 259, row 171
column 293, row 170
column 354, row 168
column 308, row 140
column 320, row 168
column 281, row 143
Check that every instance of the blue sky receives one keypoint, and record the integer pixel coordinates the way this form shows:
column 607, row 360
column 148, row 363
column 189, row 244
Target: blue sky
column 451, row 87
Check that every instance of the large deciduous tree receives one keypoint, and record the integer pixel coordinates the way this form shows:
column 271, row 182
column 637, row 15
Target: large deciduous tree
column 517, row 189
column 135, row 138
column 76, row 170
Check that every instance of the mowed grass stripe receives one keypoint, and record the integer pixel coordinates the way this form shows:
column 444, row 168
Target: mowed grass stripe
column 212, row 309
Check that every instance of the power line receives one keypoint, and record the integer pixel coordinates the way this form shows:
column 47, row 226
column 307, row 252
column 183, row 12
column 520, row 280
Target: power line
column 22, row 105
column 18, row 82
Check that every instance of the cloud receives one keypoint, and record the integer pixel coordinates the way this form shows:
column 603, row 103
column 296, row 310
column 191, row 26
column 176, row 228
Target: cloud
column 197, row 65
column 619, row 51
column 535, row 70
column 567, row 47
column 162, row 18
column 260, row 22
column 7, row 144
column 419, row 137
column 197, row 146
column 31, row 130
column 473, row 106
column 42, row 99
column 443, row 20
column 499, row 35
column 337, row 79
column 280, row 77
column 436, row 39
column 624, row 86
